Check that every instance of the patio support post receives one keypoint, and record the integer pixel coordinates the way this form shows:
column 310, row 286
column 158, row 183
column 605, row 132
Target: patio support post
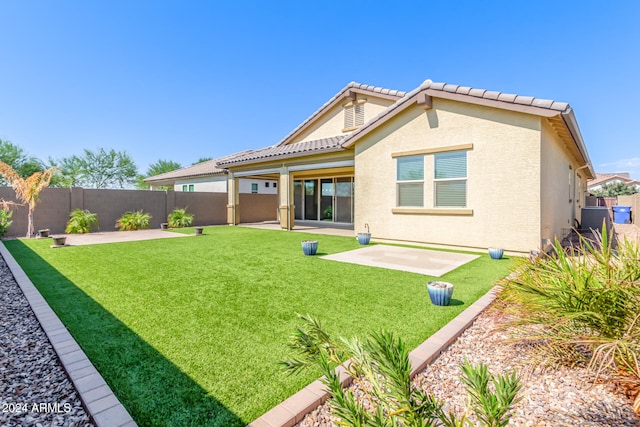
column 233, row 204
column 286, row 199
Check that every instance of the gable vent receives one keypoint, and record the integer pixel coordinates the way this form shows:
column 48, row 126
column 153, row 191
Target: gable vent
column 359, row 114
column 349, row 120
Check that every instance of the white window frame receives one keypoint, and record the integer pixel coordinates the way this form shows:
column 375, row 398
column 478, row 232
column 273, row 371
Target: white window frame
column 400, row 183
column 455, row 179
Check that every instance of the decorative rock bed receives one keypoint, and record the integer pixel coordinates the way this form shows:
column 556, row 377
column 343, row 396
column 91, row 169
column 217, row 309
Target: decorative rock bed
column 34, row 388
column 564, row 397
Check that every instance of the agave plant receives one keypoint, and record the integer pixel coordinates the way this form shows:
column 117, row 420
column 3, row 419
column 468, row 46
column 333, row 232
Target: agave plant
column 81, row 221
column 133, row 220
column 584, row 298
column 382, row 360
column 180, row 218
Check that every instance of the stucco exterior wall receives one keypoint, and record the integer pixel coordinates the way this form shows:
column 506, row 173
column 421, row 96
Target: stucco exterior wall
column 561, row 191
column 213, row 184
column 503, row 170
column 218, row 184
column 246, row 183
column 332, row 122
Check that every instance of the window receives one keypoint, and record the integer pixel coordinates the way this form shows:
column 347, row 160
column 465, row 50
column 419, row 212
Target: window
column 191, row 188
column 275, row 184
column 254, row 187
column 410, row 177
column 184, row 188
column 266, row 184
column 450, row 179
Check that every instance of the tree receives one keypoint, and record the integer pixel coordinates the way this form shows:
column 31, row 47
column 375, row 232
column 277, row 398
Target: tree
column 27, row 189
column 97, row 169
column 14, row 156
column 157, row 168
column 202, row 160
column 69, row 172
column 615, row 189
column 107, row 169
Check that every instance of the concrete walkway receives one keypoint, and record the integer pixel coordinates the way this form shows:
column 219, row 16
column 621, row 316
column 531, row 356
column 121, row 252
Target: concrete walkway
column 120, row 236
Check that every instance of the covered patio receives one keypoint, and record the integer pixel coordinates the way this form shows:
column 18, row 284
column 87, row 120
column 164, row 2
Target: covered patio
column 315, row 182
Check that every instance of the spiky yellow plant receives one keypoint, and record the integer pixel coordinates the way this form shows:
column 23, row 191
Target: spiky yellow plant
column 27, row 189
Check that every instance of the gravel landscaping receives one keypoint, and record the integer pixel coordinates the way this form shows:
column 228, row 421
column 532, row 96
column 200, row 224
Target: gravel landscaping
column 563, row 397
column 34, row 388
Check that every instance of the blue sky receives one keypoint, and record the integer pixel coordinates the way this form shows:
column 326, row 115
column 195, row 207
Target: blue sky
column 180, row 80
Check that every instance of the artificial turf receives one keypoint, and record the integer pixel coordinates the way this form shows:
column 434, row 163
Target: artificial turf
column 190, row 331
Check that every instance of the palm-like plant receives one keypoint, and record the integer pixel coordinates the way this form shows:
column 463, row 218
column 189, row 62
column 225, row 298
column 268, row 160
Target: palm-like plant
column 133, row 221
column 27, row 189
column 180, row 218
column 81, row 221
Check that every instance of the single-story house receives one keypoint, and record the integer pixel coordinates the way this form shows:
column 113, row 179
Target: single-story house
column 443, row 164
column 611, row 178
column 208, row 177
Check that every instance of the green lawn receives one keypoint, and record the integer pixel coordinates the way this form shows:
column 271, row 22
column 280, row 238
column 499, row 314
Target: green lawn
column 189, row 331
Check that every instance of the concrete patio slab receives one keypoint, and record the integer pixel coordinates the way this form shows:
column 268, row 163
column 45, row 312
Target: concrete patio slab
column 413, row 260
column 315, row 227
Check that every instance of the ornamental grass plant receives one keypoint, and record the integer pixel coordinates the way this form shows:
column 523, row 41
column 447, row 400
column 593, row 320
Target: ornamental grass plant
column 583, row 304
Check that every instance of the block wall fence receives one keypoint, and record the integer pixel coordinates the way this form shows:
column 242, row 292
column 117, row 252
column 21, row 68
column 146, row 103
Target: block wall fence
column 634, row 202
column 55, row 204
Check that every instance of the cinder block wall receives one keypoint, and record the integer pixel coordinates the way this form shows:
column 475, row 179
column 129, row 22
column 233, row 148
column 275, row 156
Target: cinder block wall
column 258, row 207
column 55, row 205
column 634, row 202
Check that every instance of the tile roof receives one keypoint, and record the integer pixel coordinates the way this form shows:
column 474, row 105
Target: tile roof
column 208, row 168
column 497, row 96
column 341, row 94
column 602, row 178
column 464, row 91
column 304, row 148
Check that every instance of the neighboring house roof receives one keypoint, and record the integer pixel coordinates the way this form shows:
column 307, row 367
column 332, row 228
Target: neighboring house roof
column 208, row 168
column 298, row 149
column 380, row 92
column 605, row 178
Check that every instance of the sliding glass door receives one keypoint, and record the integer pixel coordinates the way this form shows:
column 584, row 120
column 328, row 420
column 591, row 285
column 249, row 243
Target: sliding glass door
column 324, row 199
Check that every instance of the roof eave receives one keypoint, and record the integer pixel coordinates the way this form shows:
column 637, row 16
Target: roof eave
column 419, row 93
column 285, row 156
column 570, row 121
column 153, row 180
column 346, row 92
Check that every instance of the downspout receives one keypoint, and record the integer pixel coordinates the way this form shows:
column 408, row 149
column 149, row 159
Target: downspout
column 575, row 175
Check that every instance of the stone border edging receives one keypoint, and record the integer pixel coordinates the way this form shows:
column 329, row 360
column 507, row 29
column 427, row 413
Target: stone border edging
column 294, row 409
column 98, row 399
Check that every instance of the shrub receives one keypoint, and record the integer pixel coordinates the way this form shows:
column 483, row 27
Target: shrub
column 133, row 221
column 5, row 220
column 81, row 221
column 383, row 361
column 586, row 298
column 180, row 218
